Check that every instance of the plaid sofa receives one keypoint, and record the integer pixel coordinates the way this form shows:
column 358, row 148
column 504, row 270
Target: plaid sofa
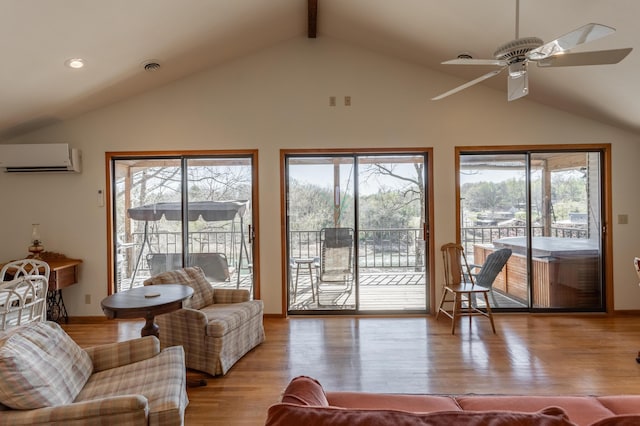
column 216, row 327
column 45, row 378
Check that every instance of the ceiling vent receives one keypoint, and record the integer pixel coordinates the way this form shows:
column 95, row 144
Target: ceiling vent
column 35, row 158
column 151, row 66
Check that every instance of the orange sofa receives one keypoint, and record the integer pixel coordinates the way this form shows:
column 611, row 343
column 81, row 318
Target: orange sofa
column 304, row 402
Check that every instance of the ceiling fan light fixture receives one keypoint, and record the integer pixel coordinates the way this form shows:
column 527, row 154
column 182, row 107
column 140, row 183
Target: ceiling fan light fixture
column 517, row 69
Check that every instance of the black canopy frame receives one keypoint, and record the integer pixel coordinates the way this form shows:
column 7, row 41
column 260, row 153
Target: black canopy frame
column 210, row 211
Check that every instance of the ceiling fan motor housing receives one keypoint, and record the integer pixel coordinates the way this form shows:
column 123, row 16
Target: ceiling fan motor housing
column 516, row 50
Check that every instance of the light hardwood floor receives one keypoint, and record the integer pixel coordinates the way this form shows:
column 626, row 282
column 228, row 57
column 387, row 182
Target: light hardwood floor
column 530, row 354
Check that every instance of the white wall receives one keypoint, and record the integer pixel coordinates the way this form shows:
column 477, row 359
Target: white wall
column 278, row 98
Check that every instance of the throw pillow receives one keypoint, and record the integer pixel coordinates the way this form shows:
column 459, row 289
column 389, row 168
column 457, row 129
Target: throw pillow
column 41, row 366
column 191, row 276
column 202, row 286
column 304, row 390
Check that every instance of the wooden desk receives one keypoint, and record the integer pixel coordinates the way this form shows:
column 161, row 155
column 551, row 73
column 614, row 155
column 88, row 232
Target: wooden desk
column 135, row 303
column 63, row 273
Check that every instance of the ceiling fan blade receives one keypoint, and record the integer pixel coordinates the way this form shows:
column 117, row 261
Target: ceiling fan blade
column 468, row 84
column 584, row 34
column 469, row 61
column 517, row 86
column 598, row 57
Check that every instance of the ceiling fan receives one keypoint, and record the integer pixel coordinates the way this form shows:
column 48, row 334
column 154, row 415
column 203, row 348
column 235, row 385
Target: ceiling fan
column 516, row 54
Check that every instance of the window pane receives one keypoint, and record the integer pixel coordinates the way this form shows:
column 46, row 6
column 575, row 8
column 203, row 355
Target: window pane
column 566, row 239
column 142, row 231
column 551, row 222
column 391, row 257
column 492, row 208
column 149, row 205
column 355, row 232
column 219, row 218
column 320, row 213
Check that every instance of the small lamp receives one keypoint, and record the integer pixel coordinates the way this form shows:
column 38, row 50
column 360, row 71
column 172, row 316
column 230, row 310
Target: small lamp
column 36, row 247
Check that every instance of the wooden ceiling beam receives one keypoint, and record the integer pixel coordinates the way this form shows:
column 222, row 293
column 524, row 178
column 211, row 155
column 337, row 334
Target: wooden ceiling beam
column 312, row 13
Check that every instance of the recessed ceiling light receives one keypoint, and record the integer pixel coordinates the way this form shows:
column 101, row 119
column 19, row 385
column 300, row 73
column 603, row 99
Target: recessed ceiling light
column 75, row 63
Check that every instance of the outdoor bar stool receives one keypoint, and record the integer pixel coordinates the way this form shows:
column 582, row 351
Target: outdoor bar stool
column 307, row 269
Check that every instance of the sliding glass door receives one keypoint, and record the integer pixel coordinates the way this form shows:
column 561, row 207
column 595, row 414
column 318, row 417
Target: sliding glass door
column 355, row 232
column 547, row 208
column 321, row 233
column 493, row 207
column 391, row 220
column 566, row 239
column 175, row 211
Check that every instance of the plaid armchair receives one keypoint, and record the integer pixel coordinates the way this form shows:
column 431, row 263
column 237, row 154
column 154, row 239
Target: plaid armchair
column 216, row 327
column 46, row 378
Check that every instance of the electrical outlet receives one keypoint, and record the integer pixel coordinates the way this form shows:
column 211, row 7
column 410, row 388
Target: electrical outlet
column 87, row 299
column 332, row 101
column 623, row 219
column 347, row 101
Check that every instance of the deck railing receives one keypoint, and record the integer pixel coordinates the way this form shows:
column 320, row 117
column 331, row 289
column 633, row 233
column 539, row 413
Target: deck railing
column 378, row 248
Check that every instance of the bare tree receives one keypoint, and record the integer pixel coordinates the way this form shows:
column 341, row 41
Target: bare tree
column 413, row 190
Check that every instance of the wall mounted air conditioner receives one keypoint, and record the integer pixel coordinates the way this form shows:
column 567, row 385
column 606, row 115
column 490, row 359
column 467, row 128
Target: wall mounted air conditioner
column 30, row 158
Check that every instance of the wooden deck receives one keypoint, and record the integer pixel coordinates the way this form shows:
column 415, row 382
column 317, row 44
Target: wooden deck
column 392, row 292
column 378, row 292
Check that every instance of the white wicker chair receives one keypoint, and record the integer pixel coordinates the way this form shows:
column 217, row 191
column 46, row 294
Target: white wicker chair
column 23, row 299
column 22, row 267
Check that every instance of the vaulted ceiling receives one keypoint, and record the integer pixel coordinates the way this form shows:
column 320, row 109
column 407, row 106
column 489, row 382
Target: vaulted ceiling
column 117, row 37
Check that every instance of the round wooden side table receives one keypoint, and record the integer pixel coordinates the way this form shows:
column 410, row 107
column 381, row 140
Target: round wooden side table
column 146, row 302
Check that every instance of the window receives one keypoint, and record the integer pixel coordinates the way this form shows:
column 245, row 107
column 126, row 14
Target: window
column 356, row 227
column 547, row 206
column 175, row 210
